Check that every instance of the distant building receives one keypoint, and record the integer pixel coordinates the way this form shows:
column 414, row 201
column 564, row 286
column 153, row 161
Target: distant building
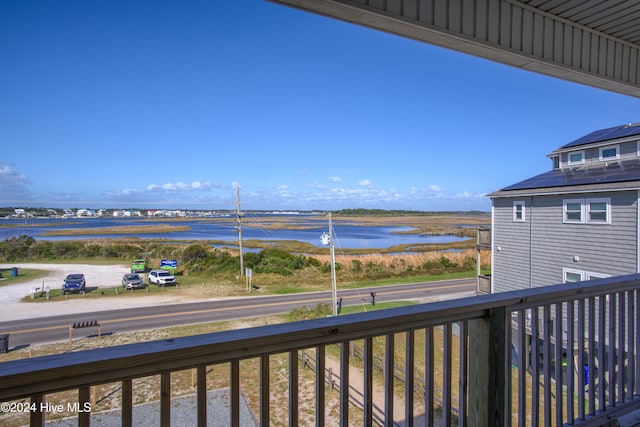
column 165, row 213
column 578, row 221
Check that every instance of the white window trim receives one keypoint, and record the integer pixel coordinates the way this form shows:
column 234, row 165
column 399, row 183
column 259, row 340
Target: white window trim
column 569, row 162
column 607, row 201
column 565, row 202
column 608, row 147
column 519, row 203
column 573, row 271
column 584, row 210
column 590, row 275
column 584, row 275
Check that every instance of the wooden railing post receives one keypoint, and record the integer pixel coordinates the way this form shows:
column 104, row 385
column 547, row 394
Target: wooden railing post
column 487, row 370
column 201, row 392
column 127, row 403
column 84, row 398
column 165, row 399
column 37, row 418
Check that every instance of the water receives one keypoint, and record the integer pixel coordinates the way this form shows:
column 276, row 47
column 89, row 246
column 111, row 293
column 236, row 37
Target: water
column 346, row 235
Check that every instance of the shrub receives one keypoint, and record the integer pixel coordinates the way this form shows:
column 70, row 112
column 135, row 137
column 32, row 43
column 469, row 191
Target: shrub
column 195, row 252
column 275, row 261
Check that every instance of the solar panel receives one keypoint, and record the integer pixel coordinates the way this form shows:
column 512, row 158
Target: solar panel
column 599, row 174
column 606, row 135
column 592, row 173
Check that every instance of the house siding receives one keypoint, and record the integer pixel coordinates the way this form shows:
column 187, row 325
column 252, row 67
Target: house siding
column 628, row 150
column 534, row 253
column 511, row 249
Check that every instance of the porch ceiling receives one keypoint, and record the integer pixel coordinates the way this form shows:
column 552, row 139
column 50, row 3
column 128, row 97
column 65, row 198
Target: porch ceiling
column 592, row 42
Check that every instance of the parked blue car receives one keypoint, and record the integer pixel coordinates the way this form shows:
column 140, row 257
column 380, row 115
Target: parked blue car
column 74, row 283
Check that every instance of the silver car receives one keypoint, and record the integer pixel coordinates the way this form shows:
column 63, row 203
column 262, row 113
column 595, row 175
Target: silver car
column 132, row 281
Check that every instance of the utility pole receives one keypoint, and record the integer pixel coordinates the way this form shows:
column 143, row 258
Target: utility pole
column 328, row 239
column 239, row 215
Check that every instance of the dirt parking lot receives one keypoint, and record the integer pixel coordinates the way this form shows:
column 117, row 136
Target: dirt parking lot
column 101, row 276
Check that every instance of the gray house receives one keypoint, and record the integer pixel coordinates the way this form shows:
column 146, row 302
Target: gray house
column 578, row 221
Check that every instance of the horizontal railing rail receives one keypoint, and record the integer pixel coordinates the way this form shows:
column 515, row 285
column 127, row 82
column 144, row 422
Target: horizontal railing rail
column 471, row 354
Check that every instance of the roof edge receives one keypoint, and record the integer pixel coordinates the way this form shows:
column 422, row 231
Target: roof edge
column 568, row 189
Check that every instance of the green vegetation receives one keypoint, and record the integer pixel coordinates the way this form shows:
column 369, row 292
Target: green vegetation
column 324, row 310
column 275, row 270
column 24, row 275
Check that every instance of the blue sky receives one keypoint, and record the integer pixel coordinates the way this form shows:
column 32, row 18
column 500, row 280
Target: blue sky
column 168, row 104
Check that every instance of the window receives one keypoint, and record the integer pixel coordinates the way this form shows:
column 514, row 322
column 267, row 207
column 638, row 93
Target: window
column 587, row 211
column 572, row 211
column 610, row 153
column 518, row 211
column 576, row 157
column 590, row 276
column 598, row 210
column 571, row 275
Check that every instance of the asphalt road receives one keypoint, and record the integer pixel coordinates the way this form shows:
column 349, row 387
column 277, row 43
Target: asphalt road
column 27, row 332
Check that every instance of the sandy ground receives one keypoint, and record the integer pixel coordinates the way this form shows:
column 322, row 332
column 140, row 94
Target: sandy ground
column 11, row 307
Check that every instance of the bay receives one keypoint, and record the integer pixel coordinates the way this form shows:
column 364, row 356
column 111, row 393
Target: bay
column 308, row 229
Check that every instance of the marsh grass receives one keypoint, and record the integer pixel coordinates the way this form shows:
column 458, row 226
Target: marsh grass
column 128, row 229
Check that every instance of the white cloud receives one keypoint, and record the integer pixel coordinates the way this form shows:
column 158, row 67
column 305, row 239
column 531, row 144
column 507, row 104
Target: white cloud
column 14, row 185
column 125, row 192
column 10, row 176
column 430, row 191
column 198, row 185
column 181, row 186
column 469, row 195
column 15, row 190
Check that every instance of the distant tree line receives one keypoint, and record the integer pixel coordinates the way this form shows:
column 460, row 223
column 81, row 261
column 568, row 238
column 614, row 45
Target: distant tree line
column 385, row 212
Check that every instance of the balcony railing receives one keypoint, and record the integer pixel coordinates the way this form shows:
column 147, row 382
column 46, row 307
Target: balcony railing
column 555, row 355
